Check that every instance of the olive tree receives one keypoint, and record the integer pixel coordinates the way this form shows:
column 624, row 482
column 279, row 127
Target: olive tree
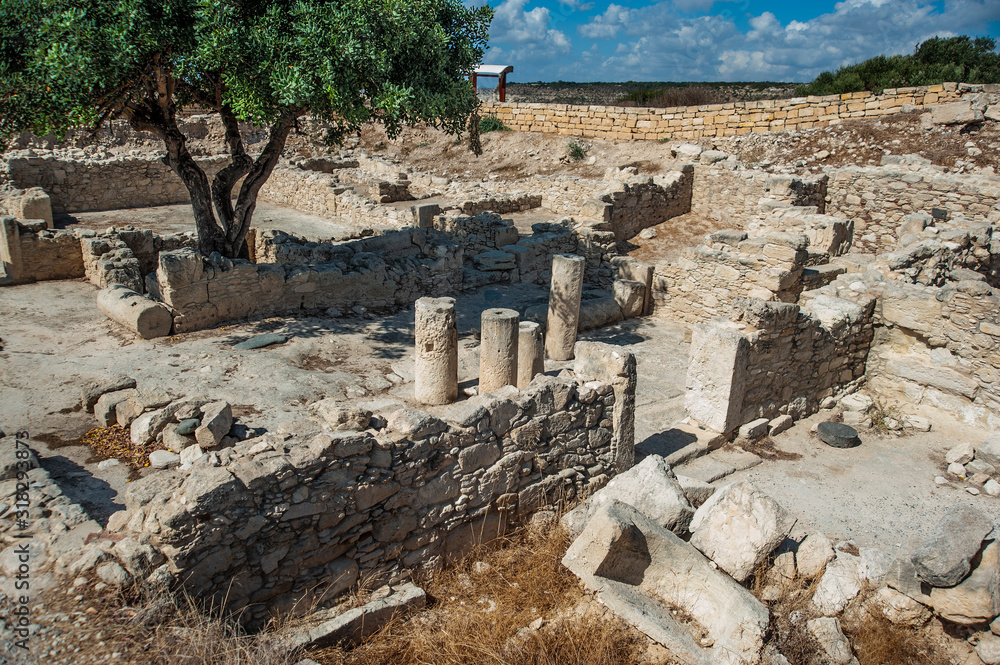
column 72, row 63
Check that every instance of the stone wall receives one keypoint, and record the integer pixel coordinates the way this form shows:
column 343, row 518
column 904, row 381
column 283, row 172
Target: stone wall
column 618, row 123
column 738, row 194
column 633, row 202
column 283, row 521
column 202, row 293
column 31, row 252
column 116, row 182
column 710, row 279
column 880, row 198
column 935, row 346
column 777, row 359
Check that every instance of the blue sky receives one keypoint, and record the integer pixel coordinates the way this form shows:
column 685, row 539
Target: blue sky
column 716, row 40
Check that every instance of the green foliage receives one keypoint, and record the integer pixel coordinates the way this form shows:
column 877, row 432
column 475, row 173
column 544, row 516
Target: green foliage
column 961, row 59
column 885, row 418
column 576, row 151
column 66, row 62
column 491, row 123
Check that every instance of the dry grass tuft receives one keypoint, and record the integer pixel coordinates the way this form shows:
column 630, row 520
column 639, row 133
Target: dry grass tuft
column 162, row 629
column 878, row 641
column 510, row 603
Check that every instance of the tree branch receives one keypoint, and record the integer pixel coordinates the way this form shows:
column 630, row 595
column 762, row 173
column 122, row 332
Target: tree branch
column 225, row 180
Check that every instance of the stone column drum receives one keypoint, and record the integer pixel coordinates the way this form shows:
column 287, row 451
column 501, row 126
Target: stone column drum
column 564, row 305
column 530, row 353
column 436, row 380
column 498, row 350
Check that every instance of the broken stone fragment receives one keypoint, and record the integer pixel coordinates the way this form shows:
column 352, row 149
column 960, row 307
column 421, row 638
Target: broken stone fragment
column 650, row 486
column 215, row 424
column 976, row 599
column 93, row 391
column 832, row 641
column 356, row 624
column 738, row 527
column 106, row 408
column 840, row 583
column 163, row 459
column 898, row 608
column 960, row 454
column 340, row 415
column 641, row 570
column 943, row 559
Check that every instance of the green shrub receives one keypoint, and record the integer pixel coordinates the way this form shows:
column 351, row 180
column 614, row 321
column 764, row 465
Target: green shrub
column 962, row 59
column 576, row 151
column 491, row 123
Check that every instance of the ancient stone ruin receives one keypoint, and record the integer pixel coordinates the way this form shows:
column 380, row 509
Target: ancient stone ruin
column 458, row 354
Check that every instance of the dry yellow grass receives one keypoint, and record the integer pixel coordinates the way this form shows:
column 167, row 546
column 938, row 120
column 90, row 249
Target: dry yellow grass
column 511, row 603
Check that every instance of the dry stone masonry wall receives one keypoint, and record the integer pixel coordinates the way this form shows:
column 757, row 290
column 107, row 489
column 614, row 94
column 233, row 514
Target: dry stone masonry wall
column 616, row 123
column 272, row 521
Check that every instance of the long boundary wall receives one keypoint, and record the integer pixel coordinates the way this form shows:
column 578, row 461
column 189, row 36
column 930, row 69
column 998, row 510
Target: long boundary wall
column 693, row 122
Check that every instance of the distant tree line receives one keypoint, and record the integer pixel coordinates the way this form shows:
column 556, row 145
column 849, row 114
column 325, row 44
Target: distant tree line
column 961, row 59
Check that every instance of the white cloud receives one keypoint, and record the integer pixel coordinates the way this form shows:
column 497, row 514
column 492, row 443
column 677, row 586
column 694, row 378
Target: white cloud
column 525, row 34
column 607, row 25
column 663, row 45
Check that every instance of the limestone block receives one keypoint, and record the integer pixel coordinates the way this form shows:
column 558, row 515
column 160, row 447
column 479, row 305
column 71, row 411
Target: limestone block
column 141, row 315
column 989, row 450
column 436, row 340
column 956, row 113
column 840, row 583
column 92, row 392
column 106, row 408
column 738, row 527
column 925, row 373
column 832, row 641
column 598, row 312
column 639, row 570
column 216, row 421
column 498, row 351
column 716, row 377
column 630, row 297
column 612, row 364
column 976, row 599
column 596, row 209
column 812, row 555
column 639, row 272
column 564, row 305
column 650, row 486
column 356, row 624
column 898, row 608
column 494, row 260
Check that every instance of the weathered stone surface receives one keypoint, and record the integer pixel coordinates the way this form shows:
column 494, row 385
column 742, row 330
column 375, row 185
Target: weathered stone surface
column 106, row 408
column 341, row 415
column 498, row 351
column 215, row 424
column 356, row 624
column 163, row 459
column 564, row 305
column 957, row 113
column 779, row 424
column 898, row 608
column 976, row 599
column 943, row 559
column 716, row 377
column 812, row 555
column 630, row 296
column 840, row 583
column 612, row 364
column 753, row 430
column 436, row 343
column 139, row 314
column 989, row 450
column 650, row 486
column 494, row 259
column 639, row 569
column 696, row 491
column 961, row 454
column 530, row 352
column 94, row 390
column 112, row 574
column 837, row 435
column 988, row 648
column 832, row 641
column 738, row 527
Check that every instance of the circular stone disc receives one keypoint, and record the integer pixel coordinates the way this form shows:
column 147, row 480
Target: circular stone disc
column 838, row 435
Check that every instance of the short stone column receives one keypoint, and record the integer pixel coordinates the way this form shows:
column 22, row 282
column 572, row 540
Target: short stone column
column 564, row 305
column 530, row 353
column 436, row 380
column 498, row 349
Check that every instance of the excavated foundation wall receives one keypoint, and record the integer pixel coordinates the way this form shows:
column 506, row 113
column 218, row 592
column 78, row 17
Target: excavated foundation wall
column 777, row 359
column 280, row 524
column 879, row 198
column 709, row 281
column 723, row 193
column 618, row 123
column 31, row 252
